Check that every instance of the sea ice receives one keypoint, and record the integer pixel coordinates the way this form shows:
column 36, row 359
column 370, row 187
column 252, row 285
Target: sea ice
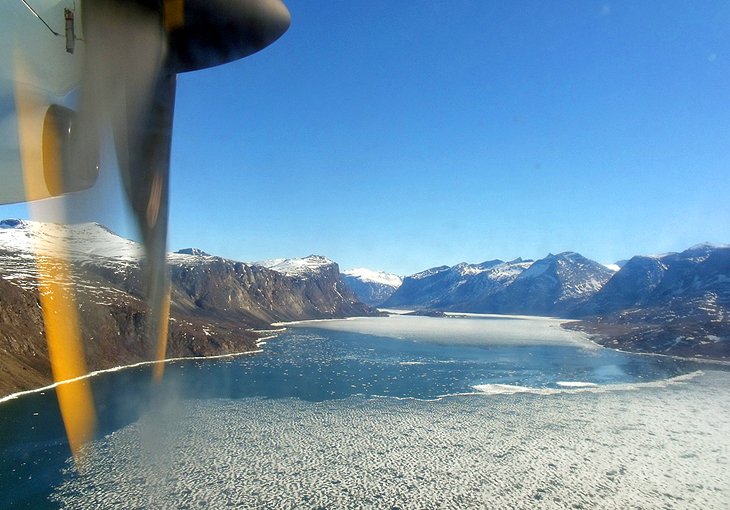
column 470, row 330
column 663, row 446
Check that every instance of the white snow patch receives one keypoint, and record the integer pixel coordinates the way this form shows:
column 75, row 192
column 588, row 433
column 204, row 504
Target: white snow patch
column 368, row 275
column 707, row 245
column 297, row 267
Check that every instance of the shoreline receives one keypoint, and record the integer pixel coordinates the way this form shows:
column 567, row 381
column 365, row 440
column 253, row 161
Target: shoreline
column 259, row 343
column 592, row 337
column 473, row 315
column 283, row 325
column 406, row 313
column 712, row 361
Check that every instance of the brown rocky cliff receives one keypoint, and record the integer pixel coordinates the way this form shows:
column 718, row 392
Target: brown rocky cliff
column 217, row 307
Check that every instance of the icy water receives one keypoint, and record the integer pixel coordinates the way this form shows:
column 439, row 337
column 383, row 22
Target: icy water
column 406, row 412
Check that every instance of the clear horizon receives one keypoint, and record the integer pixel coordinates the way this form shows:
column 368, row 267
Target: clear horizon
column 401, row 136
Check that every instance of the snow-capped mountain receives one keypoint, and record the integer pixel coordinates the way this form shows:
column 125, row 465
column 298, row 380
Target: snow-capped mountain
column 371, row 287
column 550, row 286
column 554, row 285
column 674, row 303
column 85, row 245
column 82, row 241
column 192, row 251
column 657, row 281
column 304, row 288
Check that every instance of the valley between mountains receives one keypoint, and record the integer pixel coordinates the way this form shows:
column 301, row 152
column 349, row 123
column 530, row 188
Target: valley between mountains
column 675, row 304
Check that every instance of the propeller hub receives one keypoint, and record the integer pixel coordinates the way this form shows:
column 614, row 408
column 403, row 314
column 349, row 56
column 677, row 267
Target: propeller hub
column 206, row 33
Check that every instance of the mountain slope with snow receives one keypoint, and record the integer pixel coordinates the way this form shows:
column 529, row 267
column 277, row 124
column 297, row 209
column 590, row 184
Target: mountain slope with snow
column 371, row 287
column 82, row 242
column 447, row 288
column 554, row 285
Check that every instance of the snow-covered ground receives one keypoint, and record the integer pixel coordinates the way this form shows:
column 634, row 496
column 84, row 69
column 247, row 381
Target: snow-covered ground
column 79, row 241
column 297, row 267
column 22, row 242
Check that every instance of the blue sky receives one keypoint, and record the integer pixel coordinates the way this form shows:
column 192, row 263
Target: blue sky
column 401, row 135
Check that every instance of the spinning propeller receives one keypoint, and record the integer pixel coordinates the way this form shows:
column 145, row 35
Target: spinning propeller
column 124, row 56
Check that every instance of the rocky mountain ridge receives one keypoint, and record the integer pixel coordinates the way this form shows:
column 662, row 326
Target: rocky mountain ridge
column 218, row 306
column 677, row 303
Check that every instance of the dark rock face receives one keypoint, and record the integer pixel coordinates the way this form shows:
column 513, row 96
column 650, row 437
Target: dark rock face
column 24, row 360
column 217, row 305
column 636, row 280
column 702, row 272
column 222, row 288
column 422, row 288
column 675, row 304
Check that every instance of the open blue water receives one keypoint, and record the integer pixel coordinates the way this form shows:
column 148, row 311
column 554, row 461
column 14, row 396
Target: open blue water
column 314, row 365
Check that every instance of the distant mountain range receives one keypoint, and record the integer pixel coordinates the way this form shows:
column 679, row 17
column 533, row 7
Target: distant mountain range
column 677, row 303
column 218, row 306
column 555, row 285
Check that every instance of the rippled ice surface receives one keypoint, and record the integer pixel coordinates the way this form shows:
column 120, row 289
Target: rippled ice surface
column 405, row 412
column 664, row 446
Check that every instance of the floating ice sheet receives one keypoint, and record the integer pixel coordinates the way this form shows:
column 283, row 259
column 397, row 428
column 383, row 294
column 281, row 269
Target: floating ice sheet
column 469, row 330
